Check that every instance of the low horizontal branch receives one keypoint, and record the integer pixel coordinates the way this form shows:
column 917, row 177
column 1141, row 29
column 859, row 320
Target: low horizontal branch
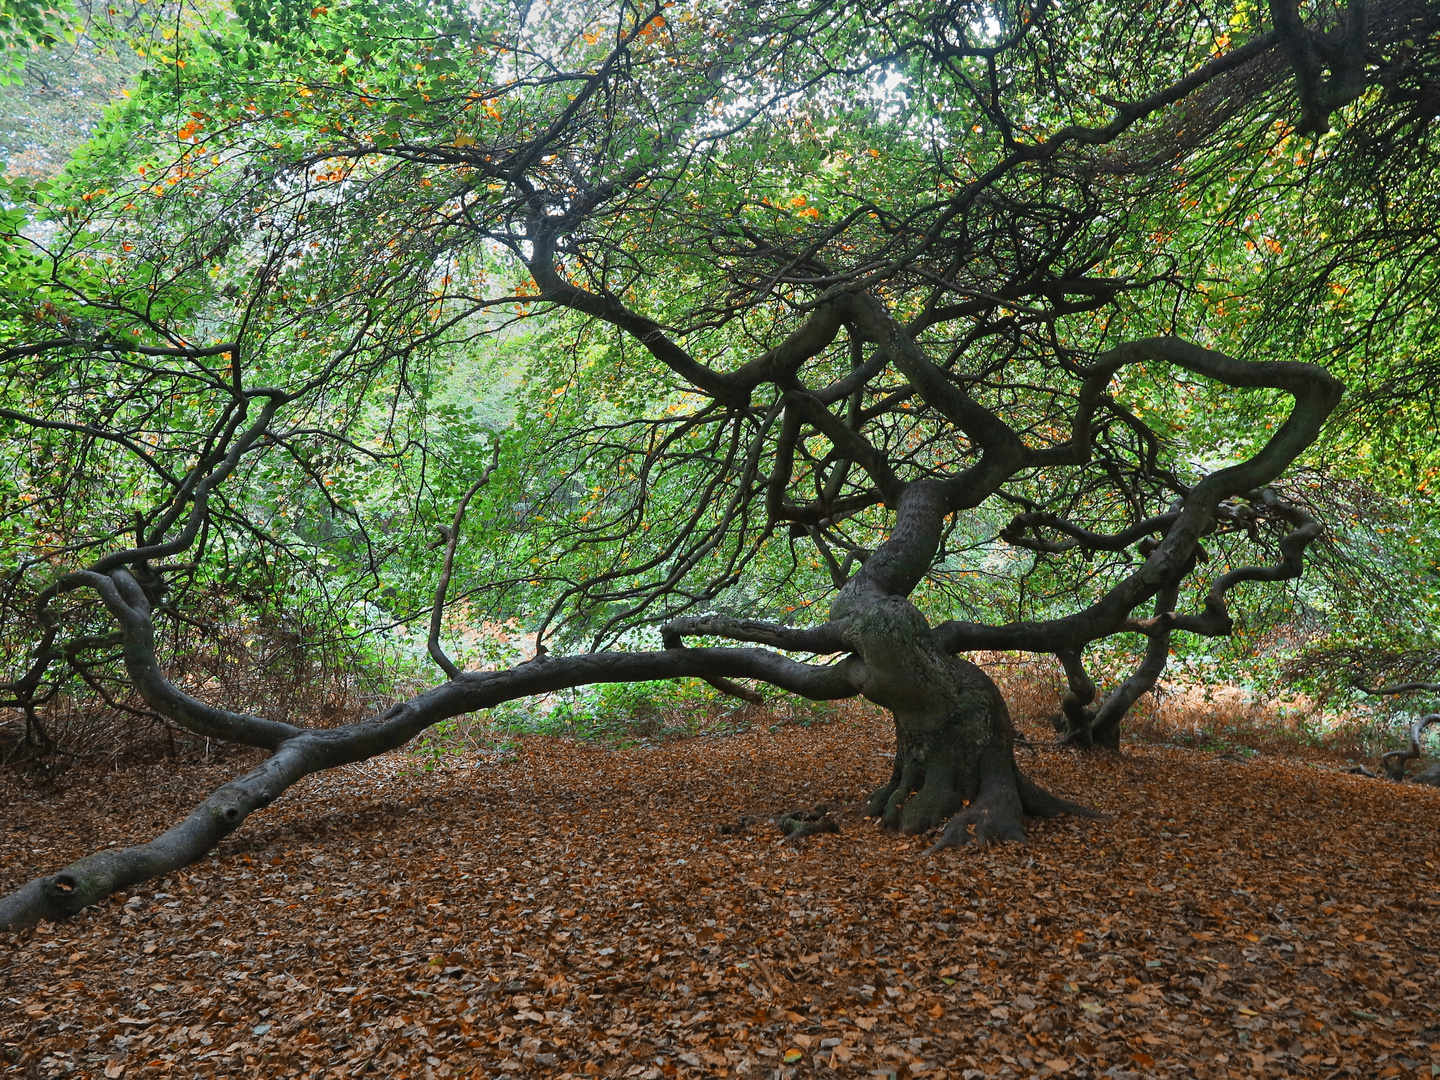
column 822, row 639
column 91, row 879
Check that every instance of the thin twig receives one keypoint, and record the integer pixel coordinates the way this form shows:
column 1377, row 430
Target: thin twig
column 452, row 540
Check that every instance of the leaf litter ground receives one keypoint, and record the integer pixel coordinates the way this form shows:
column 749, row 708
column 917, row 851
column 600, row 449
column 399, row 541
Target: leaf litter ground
column 568, row 910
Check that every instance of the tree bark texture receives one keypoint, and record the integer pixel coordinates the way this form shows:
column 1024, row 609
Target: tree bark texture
column 954, row 742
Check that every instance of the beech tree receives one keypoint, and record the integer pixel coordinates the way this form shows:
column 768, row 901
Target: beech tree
column 841, row 301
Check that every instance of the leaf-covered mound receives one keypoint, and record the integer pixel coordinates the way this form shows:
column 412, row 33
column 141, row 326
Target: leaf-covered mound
column 570, row 910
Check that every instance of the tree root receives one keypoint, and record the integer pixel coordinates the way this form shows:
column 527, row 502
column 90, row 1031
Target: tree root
column 996, row 813
column 798, row 825
column 999, row 810
column 992, row 797
column 1037, row 802
column 919, row 796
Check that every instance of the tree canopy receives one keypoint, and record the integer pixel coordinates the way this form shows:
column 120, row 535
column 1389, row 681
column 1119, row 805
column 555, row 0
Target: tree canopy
column 853, row 337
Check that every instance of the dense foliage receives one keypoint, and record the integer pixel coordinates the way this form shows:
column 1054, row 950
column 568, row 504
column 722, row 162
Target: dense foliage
column 328, row 190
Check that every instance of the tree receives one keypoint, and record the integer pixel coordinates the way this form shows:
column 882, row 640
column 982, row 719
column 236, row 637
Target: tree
column 834, row 286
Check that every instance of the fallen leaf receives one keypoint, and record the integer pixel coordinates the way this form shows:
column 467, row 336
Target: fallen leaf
column 499, row 860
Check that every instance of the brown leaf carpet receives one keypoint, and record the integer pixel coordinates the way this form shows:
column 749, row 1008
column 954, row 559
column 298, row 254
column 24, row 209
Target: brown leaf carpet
column 575, row 911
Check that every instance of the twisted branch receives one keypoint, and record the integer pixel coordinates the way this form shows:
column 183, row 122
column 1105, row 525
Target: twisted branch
column 451, row 539
column 1395, row 761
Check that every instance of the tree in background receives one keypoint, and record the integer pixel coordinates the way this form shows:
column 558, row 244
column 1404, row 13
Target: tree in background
column 840, row 311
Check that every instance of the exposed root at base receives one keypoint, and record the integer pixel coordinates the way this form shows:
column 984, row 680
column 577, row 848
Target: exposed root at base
column 988, row 792
column 919, row 797
column 998, row 812
column 798, row 825
column 988, row 805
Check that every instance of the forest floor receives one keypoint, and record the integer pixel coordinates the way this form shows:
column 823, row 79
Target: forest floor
column 568, row 910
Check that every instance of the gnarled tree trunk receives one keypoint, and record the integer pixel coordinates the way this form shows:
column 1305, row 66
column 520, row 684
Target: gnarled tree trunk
column 954, row 743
